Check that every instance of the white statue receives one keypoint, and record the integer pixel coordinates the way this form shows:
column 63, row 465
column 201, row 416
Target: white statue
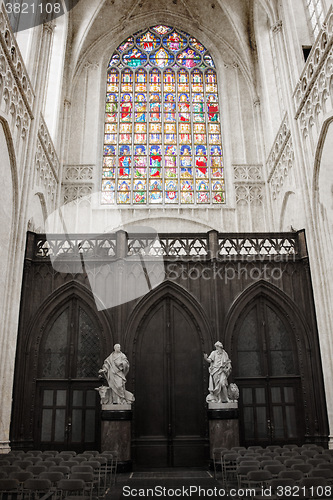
column 219, row 371
column 114, row 370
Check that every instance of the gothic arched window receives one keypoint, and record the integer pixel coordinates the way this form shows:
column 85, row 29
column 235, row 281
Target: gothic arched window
column 162, row 142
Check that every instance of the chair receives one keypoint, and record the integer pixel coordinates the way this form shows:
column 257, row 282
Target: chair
column 315, row 462
column 305, row 468
column 47, row 463
column 69, row 488
column 91, row 452
column 309, row 486
column 96, row 466
column 37, row 488
column 310, row 452
column 264, row 462
column 102, row 470
column 241, row 473
column 322, row 472
column 256, row 480
column 23, row 464
column 54, row 477
column 3, row 475
column 255, row 448
column 58, row 460
column 51, row 452
column 82, row 468
column 88, row 478
column 296, row 475
column 289, row 463
column 36, row 469
column 229, row 466
column 4, row 462
column 68, row 452
column 275, row 469
column 290, row 446
column 60, row 468
column 275, row 486
column 21, row 476
column 69, row 463
column 9, row 489
column 8, row 469
column 35, row 460
column 33, row 453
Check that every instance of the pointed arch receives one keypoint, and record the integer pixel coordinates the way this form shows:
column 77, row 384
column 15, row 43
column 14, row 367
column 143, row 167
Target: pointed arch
column 181, row 296
column 301, row 369
column 56, row 301
column 279, row 299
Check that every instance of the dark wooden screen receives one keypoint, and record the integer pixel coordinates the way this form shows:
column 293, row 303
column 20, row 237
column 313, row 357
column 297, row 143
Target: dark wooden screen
column 170, row 428
column 69, row 357
column 268, row 376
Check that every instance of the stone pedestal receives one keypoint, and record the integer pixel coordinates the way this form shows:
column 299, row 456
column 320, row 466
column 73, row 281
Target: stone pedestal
column 223, row 425
column 116, row 433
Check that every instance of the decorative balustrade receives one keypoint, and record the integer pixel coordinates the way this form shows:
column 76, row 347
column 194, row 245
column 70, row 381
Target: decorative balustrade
column 72, row 246
column 16, row 93
column 47, row 164
column 281, row 158
column 169, row 246
column 316, row 78
column 284, row 244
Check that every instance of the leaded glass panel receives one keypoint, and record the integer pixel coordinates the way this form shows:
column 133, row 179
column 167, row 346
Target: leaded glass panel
column 54, row 351
column 162, row 111
column 89, row 355
column 280, row 346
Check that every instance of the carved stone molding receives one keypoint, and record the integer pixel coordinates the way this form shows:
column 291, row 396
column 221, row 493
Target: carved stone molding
column 249, row 184
column 77, row 173
column 72, row 192
column 277, row 27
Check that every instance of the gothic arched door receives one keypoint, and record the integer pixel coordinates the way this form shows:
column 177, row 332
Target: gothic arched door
column 169, row 425
column 266, row 369
column 68, row 362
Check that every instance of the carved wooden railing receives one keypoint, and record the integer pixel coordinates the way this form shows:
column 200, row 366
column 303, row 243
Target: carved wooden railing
column 169, row 246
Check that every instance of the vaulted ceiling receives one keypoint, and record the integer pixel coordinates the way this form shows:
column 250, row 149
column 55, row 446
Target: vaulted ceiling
column 97, row 25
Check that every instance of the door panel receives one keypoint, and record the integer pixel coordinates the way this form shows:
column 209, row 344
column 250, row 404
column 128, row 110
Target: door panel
column 69, row 417
column 69, row 359
column 268, row 377
column 170, row 407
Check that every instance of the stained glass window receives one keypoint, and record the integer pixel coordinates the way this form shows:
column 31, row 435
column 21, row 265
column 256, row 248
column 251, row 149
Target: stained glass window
column 162, row 141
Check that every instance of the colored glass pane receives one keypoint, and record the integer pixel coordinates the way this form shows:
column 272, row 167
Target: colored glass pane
column 162, row 135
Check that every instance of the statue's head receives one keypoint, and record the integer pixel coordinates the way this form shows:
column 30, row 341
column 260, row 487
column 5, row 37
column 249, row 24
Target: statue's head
column 218, row 344
column 116, row 347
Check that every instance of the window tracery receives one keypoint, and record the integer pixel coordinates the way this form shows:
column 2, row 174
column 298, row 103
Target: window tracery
column 162, row 141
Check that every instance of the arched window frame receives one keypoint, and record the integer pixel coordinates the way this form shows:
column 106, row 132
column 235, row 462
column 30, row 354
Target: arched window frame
column 315, row 11
column 167, row 185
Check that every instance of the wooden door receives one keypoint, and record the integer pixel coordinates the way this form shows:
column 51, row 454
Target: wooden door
column 267, row 374
column 170, row 426
column 69, row 416
column 67, row 403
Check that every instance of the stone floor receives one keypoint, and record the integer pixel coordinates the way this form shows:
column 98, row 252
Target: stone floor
column 168, row 483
